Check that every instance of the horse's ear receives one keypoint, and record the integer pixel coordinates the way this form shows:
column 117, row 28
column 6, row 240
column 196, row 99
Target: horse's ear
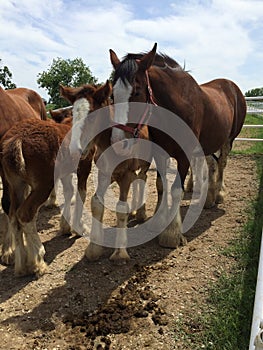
column 61, row 89
column 102, row 94
column 114, row 59
column 67, row 93
column 147, row 60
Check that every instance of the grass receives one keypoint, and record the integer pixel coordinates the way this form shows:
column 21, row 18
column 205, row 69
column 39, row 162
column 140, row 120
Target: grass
column 232, row 299
column 225, row 321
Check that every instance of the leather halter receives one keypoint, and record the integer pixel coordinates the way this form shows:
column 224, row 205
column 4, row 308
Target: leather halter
column 146, row 115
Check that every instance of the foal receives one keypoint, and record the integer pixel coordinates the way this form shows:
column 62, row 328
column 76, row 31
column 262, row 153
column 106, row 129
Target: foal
column 28, row 154
column 65, row 115
column 96, row 129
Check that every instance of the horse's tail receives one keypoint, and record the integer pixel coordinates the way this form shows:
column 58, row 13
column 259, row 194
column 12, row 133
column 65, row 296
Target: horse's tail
column 37, row 103
column 12, row 155
column 43, row 112
column 42, row 109
column 240, row 110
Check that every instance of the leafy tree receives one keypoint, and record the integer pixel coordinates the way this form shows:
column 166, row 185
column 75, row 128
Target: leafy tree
column 67, row 72
column 254, row 92
column 5, row 77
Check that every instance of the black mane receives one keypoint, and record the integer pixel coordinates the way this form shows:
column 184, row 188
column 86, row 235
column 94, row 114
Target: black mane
column 128, row 66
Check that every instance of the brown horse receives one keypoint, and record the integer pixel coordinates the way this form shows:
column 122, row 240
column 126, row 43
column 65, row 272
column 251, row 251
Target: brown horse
column 29, row 155
column 61, row 114
column 16, row 105
column 211, row 114
column 91, row 130
column 19, row 104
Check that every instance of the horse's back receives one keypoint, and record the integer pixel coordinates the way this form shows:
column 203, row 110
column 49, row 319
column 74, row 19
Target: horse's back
column 38, row 138
column 226, row 97
column 32, row 97
column 17, row 105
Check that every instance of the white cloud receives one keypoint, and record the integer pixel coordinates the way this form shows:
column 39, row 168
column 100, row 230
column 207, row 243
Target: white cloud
column 215, row 38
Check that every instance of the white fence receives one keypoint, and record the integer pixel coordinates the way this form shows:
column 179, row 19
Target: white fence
column 255, row 105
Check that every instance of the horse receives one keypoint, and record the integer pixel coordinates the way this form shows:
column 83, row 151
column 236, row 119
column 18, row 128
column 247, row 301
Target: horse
column 60, row 114
column 91, row 130
column 29, row 155
column 211, row 114
column 65, row 115
column 16, row 105
column 19, row 104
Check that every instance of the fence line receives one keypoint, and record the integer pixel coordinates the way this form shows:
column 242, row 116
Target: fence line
column 256, row 108
column 247, row 138
column 254, row 105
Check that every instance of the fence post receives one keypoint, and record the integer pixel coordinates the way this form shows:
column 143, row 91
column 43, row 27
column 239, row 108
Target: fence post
column 256, row 337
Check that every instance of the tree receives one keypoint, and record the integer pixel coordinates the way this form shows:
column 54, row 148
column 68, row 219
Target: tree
column 254, row 92
column 5, row 78
column 67, row 72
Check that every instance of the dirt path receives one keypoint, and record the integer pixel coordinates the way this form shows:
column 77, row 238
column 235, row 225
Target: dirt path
column 81, row 305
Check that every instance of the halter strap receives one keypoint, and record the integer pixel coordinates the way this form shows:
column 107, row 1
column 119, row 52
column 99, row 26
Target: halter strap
column 150, row 89
column 148, row 111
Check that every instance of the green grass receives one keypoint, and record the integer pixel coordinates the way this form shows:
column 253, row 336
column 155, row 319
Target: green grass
column 228, row 327
column 224, row 323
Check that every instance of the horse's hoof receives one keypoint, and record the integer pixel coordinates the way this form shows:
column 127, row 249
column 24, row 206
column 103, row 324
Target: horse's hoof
column 172, row 241
column 120, row 255
column 8, row 258
column 220, row 198
column 209, row 205
column 93, row 252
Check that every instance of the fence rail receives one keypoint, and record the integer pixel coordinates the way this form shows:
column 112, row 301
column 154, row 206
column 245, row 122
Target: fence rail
column 254, row 105
column 249, row 138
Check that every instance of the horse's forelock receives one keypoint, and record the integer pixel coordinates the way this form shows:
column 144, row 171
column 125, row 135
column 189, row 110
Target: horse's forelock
column 126, row 71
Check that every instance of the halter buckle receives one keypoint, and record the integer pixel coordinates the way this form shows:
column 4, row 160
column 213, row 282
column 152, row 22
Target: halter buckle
column 136, row 133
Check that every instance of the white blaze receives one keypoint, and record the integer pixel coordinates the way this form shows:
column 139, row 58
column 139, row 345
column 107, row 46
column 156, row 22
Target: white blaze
column 80, row 111
column 121, row 93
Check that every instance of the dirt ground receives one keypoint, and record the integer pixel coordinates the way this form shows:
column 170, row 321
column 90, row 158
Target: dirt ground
column 139, row 305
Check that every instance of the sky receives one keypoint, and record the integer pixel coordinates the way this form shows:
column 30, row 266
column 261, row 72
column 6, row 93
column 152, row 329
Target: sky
column 212, row 38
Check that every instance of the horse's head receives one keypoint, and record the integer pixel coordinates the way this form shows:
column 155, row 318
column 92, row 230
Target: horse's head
column 85, row 100
column 61, row 114
column 130, row 84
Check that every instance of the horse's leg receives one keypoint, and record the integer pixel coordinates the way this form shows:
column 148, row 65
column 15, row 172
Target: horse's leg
column 95, row 248
column 51, row 202
column 222, row 161
column 212, row 174
column 172, row 236
column 6, row 196
column 138, row 209
column 159, row 220
column 16, row 196
column 26, row 215
column 122, row 212
column 68, row 192
column 83, row 172
column 134, row 202
column 190, row 183
column 35, row 263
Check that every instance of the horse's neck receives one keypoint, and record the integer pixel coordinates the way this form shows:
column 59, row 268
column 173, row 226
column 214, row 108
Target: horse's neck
column 173, row 89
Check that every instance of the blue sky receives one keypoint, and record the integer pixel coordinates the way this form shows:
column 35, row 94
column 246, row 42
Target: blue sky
column 215, row 38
